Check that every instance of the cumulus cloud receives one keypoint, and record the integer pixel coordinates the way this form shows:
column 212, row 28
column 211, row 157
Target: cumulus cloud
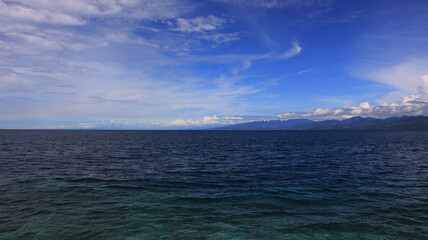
column 412, row 105
column 198, row 24
column 181, row 122
column 207, row 120
column 286, row 115
column 210, row 120
column 213, row 121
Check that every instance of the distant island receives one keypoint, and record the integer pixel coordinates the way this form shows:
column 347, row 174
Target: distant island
column 354, row 123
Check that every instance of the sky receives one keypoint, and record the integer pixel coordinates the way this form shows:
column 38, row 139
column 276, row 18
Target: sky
column 173, row 64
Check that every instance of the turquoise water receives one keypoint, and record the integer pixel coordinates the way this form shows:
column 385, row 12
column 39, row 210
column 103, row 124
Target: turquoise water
column 213, row 185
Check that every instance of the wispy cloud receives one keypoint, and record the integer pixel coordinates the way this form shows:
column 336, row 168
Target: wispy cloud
column 293, row 51
column 241, row 58
column 198, row 24
column 221, row 37
column 404, row 76
column 305, row 71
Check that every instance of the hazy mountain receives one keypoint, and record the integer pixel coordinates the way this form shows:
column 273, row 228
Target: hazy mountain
column 268, row 125
column 355, row 123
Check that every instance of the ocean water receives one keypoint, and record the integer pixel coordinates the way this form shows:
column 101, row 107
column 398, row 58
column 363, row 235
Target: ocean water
column 213, row 184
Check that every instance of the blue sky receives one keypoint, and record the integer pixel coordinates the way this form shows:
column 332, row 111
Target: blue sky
column 193, row 64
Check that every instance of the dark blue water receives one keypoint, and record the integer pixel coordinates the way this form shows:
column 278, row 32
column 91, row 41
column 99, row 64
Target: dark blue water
column 213, row 185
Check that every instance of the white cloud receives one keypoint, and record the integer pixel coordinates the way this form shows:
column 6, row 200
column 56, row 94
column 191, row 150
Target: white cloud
column 63, row 11
column 181, row 122
column 319, row 112
column 39, row 42
column 365, row 105
column 286, row 115
column 210, row 120
column 91, row 90
column 213, row 121
column 293, row 51
column 233, row 118
column 159, row 10
column 305, row 71
column 78, row 126
column 198, row 24
column 414, row 104
column 404, row 77
column 207, row 120
column 423, row 88
column 245, row 59
column 75, row 6
column 54, row 24
column 18, row 12
column 221, row 37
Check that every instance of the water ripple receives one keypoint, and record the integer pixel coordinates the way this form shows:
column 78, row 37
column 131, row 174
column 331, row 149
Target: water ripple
column 213, row 185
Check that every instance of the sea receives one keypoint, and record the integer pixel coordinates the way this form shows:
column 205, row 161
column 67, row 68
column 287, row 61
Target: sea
column 78, row 184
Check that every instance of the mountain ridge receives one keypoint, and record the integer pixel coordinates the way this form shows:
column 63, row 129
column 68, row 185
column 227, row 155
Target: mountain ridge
column 354, row 123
